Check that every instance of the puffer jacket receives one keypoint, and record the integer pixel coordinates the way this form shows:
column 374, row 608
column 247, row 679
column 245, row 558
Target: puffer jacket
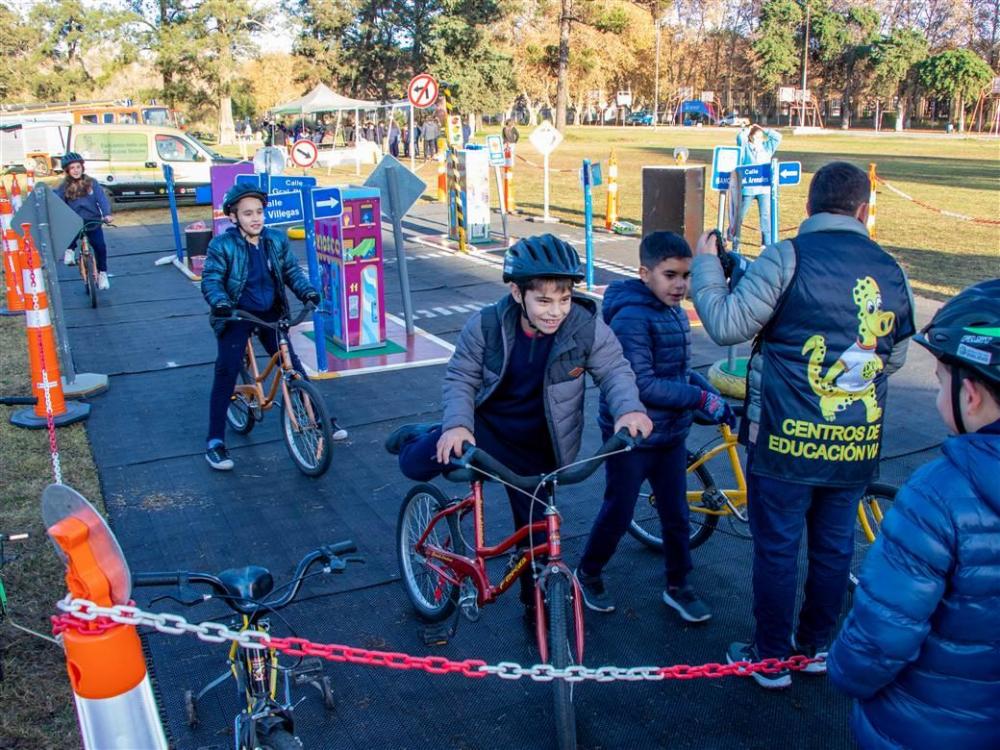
column 920, row 650
column 656, row 340
column 225, row 271
column 583, row 344
column 757, row 154
column 733, row 317
column 93, row 206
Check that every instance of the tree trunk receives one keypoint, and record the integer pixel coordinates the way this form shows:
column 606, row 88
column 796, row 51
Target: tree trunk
column 563, row 69
column 532, row 110
column 961, row 113
column 901, row 113
column 227, row 129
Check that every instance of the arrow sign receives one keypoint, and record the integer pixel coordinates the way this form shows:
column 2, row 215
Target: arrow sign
column 755, row 175
column 422, row 90
column 283, row 208
column 790, row 173
column 304, row 153
column 327, row 203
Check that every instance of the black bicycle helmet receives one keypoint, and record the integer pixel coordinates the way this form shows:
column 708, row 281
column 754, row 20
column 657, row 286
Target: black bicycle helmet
column 965, row 334
column 239, row 191
column 544, row 256
column 70, row 157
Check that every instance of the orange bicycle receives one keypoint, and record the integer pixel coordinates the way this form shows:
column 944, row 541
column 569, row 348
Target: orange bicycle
column 87, row 261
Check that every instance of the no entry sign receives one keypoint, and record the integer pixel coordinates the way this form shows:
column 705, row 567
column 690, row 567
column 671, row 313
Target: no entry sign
column 304, row 153
column 422, row 91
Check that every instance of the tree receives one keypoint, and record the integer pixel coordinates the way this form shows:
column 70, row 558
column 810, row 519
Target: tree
column 894, row 67
column 775, row 50
column 14, row 48
column 843, row 44
column 956, row 73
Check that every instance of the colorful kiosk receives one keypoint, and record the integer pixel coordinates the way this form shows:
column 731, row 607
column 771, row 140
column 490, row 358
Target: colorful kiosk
column 474, row 191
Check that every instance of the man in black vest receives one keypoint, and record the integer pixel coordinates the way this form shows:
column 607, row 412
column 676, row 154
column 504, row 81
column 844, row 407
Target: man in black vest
column 830, row 312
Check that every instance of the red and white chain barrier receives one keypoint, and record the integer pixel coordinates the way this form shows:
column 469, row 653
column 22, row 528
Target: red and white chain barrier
column 86, row 617
column 935, row 209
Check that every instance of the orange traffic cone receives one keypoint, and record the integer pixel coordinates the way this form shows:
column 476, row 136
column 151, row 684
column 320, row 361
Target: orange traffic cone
column 31, row 180
column 611, row 213
column 508, row 178
column 11, row 257
column 15, row 193
column 46, row 383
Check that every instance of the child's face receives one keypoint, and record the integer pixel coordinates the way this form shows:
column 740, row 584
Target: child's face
column 250, row 215
column 75, row 170
column 668, row 280
column 547, row 305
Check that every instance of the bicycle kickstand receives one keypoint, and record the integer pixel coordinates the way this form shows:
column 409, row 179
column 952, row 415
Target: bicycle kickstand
column 439, row 633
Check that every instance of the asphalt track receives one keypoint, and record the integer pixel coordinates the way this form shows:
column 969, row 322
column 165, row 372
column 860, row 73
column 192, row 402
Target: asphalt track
column 171, row 511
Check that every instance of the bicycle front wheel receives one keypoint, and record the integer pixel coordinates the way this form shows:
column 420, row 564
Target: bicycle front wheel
column 875, row 503
column 431, row 593
column 559, row 607
column 241, row 414
column 306, row 428
column 645, row 525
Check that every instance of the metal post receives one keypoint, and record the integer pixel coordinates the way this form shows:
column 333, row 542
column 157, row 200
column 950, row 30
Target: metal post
column 805, row 67
column 774, row 200
column 309, row 224
column 502, row 200
column 588, row 222
column 168, row 175
column 413, row 156
column 545, row 189
column 48, row 253
column 392, row 183
column 720, row 219
column 656, row 79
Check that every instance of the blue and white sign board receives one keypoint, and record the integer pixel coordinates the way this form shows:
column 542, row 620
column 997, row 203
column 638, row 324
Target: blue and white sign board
column 250, row 179
column 790, row 173
column 328, row 203
column 724, row 160
column 285, row 183
column 494, row 145
column 284, row 208
column 755, row 175
column 594, row 178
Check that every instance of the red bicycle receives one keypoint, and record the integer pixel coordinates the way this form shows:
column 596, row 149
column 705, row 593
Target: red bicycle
column 442, row 572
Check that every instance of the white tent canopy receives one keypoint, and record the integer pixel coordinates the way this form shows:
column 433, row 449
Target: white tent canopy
column 324, row 99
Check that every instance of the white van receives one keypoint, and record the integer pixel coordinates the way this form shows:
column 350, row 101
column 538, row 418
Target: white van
column 128, row 159
column 32, row 144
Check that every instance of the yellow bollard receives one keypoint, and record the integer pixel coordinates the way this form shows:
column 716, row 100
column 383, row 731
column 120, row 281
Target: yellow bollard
column 873, row 182
column 611, row 214
column 508, row 178
column 442, row 173
column 454, row 138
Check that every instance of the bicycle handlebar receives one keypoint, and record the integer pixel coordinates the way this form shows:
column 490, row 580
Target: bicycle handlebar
column 572, row 474
column 329, row 554
column 243, row 315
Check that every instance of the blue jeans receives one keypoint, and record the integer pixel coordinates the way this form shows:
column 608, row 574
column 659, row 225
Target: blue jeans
column 779, row 511
column 666, row 469
column 99, row 247
column 764, row 203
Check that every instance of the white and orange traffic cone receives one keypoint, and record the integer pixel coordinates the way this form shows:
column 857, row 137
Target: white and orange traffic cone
column 872, row 195
column 15, row 193
column 107, row 670
column 30, row 180
column 508, row 178
column 611, row 214
column 46, row 383
column 442, row 195
column 14, row 297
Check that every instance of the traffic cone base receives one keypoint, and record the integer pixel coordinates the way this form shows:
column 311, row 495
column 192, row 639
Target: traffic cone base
column 75, row 411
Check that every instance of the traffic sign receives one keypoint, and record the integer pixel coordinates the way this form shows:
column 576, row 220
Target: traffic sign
column 286, row 183
column 494, row 144
column 545, row 138
column 453, row 130
column 422, row 90
column 284, row 208
column 327, row 203
column 790, row 173
column 594, row 177
column 250, row 179
column 724, row 161
column 304, row 153
column 755, row 175
column 410, row 186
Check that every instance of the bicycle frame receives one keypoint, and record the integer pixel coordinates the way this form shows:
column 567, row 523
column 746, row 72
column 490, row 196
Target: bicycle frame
column 738, row 496
column 281, row 361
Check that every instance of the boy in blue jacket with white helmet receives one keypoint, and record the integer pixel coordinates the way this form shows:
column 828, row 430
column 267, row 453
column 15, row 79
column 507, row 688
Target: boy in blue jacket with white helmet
column 646, row 316
column 920, row 650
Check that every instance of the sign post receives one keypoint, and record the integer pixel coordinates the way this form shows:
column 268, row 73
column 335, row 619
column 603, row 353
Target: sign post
column 168, row 175
column 304, row 153
column 494, row 145
column 775, row 182
column 724, row 161
column 588, row 220
column 545, row 139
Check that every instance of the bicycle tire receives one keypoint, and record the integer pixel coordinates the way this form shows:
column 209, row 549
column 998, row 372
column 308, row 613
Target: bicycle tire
column 278, row 739
column 311, row 445
column 240, row 415
column 433, row 598
column 645, row 523
column 559, row 607
column 875, row 503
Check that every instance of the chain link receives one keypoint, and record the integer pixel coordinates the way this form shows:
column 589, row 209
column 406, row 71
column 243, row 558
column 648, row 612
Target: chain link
column 89, row 618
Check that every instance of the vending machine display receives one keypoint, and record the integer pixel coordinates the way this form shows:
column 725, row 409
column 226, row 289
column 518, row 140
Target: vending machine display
column 474, row 192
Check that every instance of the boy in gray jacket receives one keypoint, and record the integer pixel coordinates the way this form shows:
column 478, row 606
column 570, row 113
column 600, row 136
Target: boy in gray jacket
column 515, row 385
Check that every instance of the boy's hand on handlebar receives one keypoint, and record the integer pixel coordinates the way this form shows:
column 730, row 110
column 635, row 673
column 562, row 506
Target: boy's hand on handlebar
column 223, row 309
column 312, row 298
column 108, row 219
column 636, row 422
column 452, row 443
column 717, row 408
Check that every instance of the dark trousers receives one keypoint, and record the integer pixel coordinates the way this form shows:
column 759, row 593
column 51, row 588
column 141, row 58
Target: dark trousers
column 98, row 246
column 232, row 343
column 417, row 461
column 779, row 511
column 430, row 149
column 666, row 469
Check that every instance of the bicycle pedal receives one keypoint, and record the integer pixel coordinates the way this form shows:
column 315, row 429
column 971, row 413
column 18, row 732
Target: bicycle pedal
column 307, row 670
column 438, row 634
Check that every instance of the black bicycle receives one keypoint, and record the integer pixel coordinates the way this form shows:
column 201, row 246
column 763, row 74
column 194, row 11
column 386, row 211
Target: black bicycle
column 266, row 722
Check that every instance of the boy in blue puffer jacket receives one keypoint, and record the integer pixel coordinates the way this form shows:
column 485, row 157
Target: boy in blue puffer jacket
column 646, row 315
column 920, row 650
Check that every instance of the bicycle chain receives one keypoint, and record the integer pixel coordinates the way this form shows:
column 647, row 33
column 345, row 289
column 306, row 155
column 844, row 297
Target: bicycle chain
column 87, row 617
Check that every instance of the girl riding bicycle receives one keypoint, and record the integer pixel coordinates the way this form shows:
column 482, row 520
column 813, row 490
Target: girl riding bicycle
column 85, row 195
column 246, row 268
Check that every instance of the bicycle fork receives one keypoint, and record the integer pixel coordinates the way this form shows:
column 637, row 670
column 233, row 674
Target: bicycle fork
column 556, row 566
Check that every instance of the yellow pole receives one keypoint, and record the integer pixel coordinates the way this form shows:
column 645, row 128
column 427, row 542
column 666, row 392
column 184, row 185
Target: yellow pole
column 873, row 182
column 611, row 214
column 454, row 192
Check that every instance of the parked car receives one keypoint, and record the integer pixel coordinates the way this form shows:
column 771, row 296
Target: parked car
column 639, row 118
column 735, row 121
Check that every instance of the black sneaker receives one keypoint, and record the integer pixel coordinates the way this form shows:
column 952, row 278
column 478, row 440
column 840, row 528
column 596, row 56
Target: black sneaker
column 748, row 652
column 403, row 435
column 812, row 652
column 687, row 603
column 218, row 458
column 594, row 594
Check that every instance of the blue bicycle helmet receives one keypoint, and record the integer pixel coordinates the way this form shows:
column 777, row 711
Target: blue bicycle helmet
column 239, row 191
column 544, row 256
column 70, row 157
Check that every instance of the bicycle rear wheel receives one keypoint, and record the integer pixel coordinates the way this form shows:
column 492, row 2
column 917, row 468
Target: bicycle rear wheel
column 241, row 414
column 432, row 595
column 307, row 428
column 875, row 503
column 645, row 525
column 559, row 607
column 88, row 266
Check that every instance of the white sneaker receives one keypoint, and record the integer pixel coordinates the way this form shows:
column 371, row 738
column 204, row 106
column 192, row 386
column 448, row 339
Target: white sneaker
column 339, row 433
column 102, row 280
column 69, row 257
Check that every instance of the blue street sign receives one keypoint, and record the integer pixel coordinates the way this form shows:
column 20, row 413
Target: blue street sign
column 327, row 203
column 595, row 174
column 724, row 161
column 789, row 172
column 250, row 179
column 285, row 183
column 283, row 208
column 494, row 145
column 755, row 175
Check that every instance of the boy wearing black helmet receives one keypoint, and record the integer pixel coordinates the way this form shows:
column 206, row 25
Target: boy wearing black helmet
column 515, row 385
column 921, row 648
column 246, row 268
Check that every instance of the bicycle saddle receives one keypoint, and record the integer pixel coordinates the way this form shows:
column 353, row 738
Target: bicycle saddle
column 248, row 584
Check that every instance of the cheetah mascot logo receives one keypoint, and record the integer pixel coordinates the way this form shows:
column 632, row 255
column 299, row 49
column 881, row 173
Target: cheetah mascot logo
column 852, row 377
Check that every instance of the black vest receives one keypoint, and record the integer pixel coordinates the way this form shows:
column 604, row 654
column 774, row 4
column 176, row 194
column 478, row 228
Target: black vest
column 823, row 380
